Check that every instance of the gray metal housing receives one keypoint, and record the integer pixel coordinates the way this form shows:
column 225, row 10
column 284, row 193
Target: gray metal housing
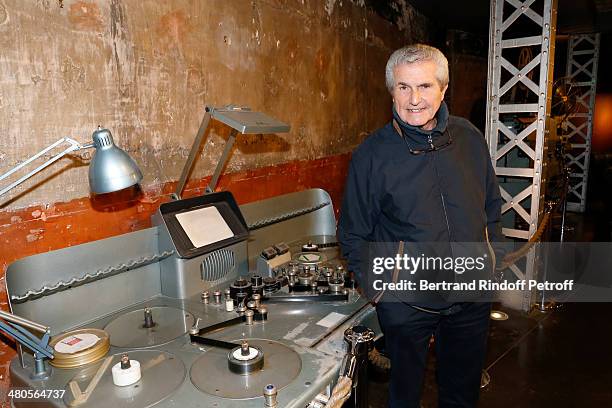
column 128, row 272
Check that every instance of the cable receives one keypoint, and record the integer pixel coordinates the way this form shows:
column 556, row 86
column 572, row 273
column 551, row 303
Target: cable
column 340, row 393
column 512, row 257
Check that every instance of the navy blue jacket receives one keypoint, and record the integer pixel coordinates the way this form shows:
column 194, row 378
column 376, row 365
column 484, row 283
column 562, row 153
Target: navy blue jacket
column 447, row 195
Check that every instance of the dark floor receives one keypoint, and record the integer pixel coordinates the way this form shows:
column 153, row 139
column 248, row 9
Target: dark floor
column 562, row 358
column 559, row 359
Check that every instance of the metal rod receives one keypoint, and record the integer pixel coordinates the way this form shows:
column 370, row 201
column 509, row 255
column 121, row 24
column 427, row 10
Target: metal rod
column 564, row 205
column 19, row 348
column 74, row 145
column 23, row 322
column 222, row 160
column 23, row 336
column 40, row 368
column 37, row 155
column 545, row 261
column 361, row 395
column 192, row 154
column 20, row 355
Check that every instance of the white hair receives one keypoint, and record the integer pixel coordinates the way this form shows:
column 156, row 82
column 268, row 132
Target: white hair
column 415, row 53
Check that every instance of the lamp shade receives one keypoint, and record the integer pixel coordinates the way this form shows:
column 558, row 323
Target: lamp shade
column 111, row 169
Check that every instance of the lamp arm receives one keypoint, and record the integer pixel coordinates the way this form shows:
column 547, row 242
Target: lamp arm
column 195, row 148
column 221, row 163
column 73, row 145
column 16, row 327
column 241, row 120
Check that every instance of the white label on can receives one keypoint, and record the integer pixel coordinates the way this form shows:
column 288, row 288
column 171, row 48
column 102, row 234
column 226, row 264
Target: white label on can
column 78, row 342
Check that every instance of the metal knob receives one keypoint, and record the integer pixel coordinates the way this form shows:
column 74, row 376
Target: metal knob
column 241, row 309
column 205, row 297
column 270, row 392
column 148, row 318
column 257, row 299
column 125, row 361
column 244, row 348
column 249, row 316
column 336, row 285
column 263, row 311
column 256, row 280
column 313, row 286
column 358, row 336
column 291, row 278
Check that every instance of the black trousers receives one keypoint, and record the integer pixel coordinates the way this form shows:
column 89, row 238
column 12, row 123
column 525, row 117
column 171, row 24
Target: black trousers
column 460, row 346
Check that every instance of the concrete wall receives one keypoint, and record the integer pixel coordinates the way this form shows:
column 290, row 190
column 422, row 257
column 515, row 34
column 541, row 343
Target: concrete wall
column 146, row 69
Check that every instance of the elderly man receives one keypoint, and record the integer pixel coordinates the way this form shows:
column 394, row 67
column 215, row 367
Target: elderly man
column 425, row 177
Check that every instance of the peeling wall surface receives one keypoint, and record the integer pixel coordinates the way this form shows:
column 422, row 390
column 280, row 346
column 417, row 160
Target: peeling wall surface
column 146, row 70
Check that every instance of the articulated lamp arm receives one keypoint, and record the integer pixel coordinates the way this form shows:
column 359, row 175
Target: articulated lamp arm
column 241, row 120
column 111, row 169
column 73, row 145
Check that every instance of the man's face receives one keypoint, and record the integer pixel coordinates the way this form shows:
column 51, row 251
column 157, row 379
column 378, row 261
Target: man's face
column 417, row 94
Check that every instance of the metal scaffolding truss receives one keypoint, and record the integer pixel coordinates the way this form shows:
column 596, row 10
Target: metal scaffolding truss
column 521, row 57
column 582, row 59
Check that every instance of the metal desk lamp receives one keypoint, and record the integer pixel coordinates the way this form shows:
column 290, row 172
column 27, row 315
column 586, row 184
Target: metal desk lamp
column 240, row 119
column 111, row 169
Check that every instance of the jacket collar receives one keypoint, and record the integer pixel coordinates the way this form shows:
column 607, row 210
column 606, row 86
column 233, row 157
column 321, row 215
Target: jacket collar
column 417, row 137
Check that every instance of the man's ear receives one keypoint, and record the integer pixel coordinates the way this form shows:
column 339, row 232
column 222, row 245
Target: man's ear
column 444, row 90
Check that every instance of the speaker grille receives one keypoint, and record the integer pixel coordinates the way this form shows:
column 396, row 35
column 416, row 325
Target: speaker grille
column 218, row 264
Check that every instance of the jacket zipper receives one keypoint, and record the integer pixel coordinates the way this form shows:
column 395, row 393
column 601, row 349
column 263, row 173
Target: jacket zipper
column 450, row 244
column 441, row 195
column 445, row 215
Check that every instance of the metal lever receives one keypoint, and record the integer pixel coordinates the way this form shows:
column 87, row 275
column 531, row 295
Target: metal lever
column 194, row 329
column 360, row 340
column 16, row 327
column 197, row 336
